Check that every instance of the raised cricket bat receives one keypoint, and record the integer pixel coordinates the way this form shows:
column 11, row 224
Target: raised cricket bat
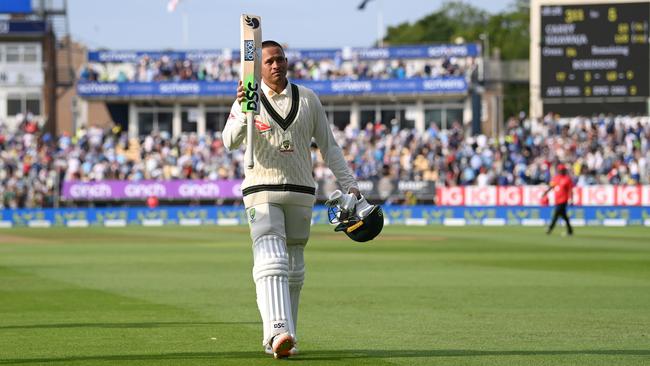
column 251, row 69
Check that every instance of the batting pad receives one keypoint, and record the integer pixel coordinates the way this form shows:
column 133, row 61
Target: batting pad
column 296, row 278
column 271, row 275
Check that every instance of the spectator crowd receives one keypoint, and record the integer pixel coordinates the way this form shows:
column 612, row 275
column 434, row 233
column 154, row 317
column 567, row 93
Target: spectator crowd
column 221, row 68
column 599, row 150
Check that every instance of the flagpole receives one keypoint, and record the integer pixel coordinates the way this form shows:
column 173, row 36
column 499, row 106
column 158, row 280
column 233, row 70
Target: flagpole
column 186, row 30
column 380, row 23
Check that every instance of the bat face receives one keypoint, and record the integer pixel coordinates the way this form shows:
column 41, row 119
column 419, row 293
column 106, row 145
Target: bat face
column 251, row 59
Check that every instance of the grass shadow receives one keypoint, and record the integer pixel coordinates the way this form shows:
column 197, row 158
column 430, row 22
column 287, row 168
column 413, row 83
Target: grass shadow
column 351, row 354
column 324, row 355
column 119, row 325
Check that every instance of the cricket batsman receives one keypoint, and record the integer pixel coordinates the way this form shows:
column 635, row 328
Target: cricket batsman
column 279, row 191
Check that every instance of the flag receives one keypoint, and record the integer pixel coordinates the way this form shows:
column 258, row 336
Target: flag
column 171, row 5
column 363, row 4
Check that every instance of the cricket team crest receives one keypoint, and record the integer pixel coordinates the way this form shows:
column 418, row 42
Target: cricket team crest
column 286, row 146
column 251, row 215
column 286, row 142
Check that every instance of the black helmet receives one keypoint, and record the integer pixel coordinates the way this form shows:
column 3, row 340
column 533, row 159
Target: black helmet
column 361, row 229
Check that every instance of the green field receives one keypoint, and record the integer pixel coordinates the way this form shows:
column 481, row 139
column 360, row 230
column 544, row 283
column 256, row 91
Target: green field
column 416, row 296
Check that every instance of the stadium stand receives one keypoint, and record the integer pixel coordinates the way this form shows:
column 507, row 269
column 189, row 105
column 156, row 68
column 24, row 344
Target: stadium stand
column 611, row 150
column 225, row 68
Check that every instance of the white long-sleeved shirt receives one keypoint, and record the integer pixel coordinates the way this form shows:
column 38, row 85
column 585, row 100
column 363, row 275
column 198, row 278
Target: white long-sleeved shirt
column 283, row 171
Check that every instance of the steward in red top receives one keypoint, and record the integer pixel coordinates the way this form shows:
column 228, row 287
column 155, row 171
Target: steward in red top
column 562, row 185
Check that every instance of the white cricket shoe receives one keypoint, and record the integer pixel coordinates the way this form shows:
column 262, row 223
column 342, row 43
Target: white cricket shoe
column 269, row 351
column 281, row 345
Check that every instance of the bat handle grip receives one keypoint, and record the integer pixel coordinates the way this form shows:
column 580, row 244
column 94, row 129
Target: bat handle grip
column 248, row 155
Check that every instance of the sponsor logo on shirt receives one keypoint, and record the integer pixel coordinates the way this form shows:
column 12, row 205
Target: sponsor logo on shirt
column 261, row 125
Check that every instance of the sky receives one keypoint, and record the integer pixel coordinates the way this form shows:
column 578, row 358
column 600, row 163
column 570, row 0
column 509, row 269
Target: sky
column 214, row 24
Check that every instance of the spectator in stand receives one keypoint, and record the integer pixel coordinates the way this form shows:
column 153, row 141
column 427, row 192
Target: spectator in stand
column 88, row 73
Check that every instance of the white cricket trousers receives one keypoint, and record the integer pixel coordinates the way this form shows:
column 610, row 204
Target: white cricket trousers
column 279, row 234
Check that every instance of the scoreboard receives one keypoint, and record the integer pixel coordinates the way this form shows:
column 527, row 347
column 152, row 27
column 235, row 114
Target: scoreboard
column 595, row 50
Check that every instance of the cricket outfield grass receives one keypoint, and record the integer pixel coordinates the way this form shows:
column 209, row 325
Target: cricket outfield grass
column 415, row 296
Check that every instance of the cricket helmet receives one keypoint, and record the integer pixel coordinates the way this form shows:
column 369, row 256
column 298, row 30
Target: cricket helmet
column 358, row 228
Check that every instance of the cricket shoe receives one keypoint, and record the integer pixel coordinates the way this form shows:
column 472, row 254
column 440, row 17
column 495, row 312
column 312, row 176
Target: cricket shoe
column 281, row 345
column 269, row 351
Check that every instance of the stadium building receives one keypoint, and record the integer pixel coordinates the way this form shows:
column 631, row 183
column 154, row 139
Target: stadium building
column 22, row 77
column 35, row 63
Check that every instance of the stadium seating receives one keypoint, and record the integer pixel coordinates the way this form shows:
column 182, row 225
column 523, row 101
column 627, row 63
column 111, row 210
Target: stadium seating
column 159, row 67
column 600, row 150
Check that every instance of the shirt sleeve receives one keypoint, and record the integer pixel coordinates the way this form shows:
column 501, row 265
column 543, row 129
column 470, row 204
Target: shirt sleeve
column 234, row 133
column 329, row 148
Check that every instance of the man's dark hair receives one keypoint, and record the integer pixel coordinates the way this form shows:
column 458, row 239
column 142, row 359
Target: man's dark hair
column 271, row 43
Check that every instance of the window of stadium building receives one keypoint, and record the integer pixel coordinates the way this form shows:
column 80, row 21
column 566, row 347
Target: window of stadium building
column 454, row 115
column 434, row 116
column 396, row 117
column 23, row 104
column 30, row 53
column 33, row 105
column 189, row 118
column 14, row 105
column 13, row 54
column 340, row 118
column 215, row 119
column 443, row 117
column 368, row 116
column 155, row 121
column 339, row 115
column 388, row 115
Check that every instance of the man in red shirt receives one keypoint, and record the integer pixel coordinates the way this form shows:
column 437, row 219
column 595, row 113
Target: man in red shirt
column 562, row 185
